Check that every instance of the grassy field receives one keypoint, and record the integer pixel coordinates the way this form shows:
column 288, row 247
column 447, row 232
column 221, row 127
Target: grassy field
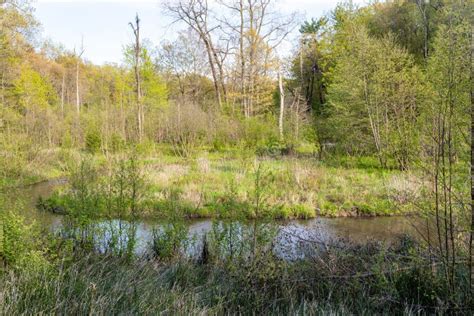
column 232, row 184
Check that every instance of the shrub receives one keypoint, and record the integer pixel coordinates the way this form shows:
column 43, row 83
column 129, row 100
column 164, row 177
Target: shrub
column 93, row 142
column 419, row 286
column 169, row 241
column 259, row 131
column 55, row 203
column 20, row 245
column 117, row 143
column 66, row 141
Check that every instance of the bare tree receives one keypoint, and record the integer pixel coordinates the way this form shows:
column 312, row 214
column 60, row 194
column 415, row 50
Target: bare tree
column 259, row 30
column 78, row 61
column 185, row 60
column 195, row 13
column 136, row 66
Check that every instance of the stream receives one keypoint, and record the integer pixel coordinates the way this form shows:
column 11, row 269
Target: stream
column 294, row 238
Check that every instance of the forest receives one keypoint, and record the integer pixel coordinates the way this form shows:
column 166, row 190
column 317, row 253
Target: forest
column 221, row 172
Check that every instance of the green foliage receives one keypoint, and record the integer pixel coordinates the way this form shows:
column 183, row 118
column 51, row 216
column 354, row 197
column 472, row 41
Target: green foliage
column 55, row 204
column 170, row 240
column 93, row 141
column 20, row 246
column 313, row 26
column 257, row 132
column 117, row 143
column 375, row 99
column 66, row 141
column 361, row 279
column 303, row 212
column 33, row 91
column 420, row 286
column 126, row 188
column 154, row 88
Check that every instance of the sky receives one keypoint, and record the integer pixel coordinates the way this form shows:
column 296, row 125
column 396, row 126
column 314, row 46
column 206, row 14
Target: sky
column 103, row 24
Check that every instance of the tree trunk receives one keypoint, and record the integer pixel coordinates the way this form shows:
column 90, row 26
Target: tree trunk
column 242, row 59
column 3, row 88
column 426, row 27
column 471, row 239
column 213, row 71
column 137, row 49
column 62, row 92
column 78, row 102
column 282, row 105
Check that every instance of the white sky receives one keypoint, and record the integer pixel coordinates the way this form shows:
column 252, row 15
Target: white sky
column 104, row 23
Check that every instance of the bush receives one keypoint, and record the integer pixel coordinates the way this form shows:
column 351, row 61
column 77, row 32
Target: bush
column 275, row 147
column 20, row 244
column 419, row 286
column 259, row 132
column 55, row 203
column 169, row 241
column 66, row 141
column 93, row 142
column 117, row 143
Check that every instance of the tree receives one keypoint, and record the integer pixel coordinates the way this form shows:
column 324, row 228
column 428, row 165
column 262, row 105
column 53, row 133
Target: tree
column 308, row 65
column 258, row 30
column 185, row 63
column 195, row 13
column 449, row 68
column 78, row 56
column 282, row 104
column 35, row 95
column 374, row 93
column 136, row 67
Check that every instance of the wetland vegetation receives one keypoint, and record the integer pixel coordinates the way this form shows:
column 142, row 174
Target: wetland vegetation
column 209, row 174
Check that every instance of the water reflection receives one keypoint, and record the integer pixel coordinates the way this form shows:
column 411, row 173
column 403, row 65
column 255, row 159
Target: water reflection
column 293, row 239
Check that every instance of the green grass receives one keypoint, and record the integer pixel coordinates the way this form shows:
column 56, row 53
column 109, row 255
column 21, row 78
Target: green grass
column 299, row 185
column 222, row 185
column 360, row 280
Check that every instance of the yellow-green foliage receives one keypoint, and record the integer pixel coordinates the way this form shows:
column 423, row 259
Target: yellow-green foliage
column 19, row 245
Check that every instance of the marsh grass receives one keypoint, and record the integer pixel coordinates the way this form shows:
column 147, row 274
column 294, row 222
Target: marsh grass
column 219, row 185
column 346, row 279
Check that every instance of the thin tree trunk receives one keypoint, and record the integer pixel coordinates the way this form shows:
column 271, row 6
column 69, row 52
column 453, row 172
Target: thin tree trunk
column 297, row 117
column 78, row 102
column 471, row 239
column 373, row 124
column 282, row 105
column 137, row 49
column 242, row 59
column 3, row 88
column 62, row 92
column 436, row 184
column 426, row 27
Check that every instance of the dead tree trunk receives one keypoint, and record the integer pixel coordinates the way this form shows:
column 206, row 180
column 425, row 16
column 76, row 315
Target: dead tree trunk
column 140, row 115
column 78, row 97
column 282, row 105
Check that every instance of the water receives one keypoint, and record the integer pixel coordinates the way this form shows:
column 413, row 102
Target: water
column 292, row 241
